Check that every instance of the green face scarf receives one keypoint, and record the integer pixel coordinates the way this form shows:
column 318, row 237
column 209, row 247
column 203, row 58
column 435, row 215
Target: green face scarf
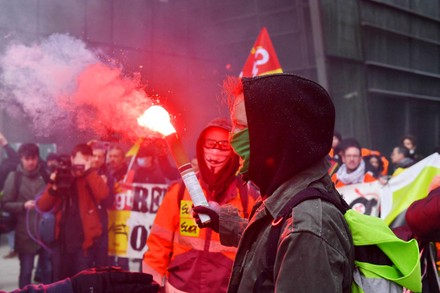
column 240, row 143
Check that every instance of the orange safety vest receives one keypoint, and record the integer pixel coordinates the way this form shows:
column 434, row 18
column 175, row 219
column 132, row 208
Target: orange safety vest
column 189, row 258
column 367, row 152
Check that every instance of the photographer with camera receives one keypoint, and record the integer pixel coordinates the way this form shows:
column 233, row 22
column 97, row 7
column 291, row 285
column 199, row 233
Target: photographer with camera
column 74, row 193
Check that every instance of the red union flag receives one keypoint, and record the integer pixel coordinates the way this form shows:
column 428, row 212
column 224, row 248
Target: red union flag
column 262, row 59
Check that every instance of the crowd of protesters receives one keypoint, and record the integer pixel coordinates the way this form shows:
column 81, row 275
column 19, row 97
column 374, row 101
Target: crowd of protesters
column 82, row 185
column 46, row 197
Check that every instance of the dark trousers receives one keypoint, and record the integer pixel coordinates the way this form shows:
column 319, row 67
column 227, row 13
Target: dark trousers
column 99, row 252
column 27, row 266
column 69, row 264
column 122, row 262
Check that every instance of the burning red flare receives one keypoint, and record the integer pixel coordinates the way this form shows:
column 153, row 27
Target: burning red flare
column 157, row 119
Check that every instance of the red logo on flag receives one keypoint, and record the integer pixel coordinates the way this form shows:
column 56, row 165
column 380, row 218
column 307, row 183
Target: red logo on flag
column 262, row 59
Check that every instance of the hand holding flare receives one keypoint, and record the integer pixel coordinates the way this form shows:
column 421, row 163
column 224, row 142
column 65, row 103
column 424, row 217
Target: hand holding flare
column 157, row 119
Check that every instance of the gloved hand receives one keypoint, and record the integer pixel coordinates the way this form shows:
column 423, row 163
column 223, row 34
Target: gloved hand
column 212, row 211
column 113, row 279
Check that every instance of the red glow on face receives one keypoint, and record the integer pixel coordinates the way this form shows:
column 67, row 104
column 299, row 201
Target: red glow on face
column 157, row 119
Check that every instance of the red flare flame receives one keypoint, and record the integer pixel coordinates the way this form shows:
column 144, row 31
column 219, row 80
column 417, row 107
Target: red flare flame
column 157, row 119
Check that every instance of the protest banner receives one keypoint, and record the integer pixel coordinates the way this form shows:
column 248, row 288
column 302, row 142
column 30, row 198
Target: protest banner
column 131, row 218
column 410, row 185
column 363, row 197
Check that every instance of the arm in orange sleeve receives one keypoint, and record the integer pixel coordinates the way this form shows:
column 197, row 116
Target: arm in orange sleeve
column 160, row 241
column 368, row 177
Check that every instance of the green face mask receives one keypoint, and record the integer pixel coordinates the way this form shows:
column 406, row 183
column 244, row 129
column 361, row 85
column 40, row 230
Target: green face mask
column 240, row 143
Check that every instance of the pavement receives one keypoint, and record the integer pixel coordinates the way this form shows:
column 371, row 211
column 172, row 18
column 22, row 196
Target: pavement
column 9, row 268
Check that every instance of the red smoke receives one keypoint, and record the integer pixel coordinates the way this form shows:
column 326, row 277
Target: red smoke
column 105, row 101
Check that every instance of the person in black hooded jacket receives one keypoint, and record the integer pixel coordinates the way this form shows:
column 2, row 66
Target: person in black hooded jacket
column 282, row 130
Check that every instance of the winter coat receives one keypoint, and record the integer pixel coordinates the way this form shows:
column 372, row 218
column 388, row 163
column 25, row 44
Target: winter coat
column 31, row 185
column 315, row 250
column 423, row 217
column 190, row 258
column 91, row 190
column 288, row 148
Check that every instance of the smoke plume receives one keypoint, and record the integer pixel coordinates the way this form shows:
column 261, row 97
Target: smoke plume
column 59, row 83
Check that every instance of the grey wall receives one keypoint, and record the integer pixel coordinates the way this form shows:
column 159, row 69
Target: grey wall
column 182, row 49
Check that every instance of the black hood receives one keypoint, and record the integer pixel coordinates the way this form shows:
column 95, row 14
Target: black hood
column 216, row 183
column 291, row 122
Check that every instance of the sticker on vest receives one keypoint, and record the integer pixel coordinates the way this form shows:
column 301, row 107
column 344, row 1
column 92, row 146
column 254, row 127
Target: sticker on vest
column 188, row 226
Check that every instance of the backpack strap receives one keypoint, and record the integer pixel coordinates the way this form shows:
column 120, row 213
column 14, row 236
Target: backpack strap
column 277, row 225
column 17, row 182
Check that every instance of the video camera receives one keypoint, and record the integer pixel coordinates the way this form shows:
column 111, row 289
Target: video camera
column 65, row 170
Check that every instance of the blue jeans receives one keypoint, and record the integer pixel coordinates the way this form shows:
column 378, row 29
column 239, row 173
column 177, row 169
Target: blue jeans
column 27, row 266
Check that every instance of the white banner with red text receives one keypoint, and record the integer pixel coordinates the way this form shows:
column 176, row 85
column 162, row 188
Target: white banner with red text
column 131, row 218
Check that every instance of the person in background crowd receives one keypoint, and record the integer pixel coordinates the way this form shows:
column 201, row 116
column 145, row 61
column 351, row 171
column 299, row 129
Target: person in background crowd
column 353, row 168
column 117, row 165
column 423, row 220
column 315, row 252
column 400, row 159
column 74, row 195
column 51, row 162
column 8, row 165
column 180, row 256
column 335, row 153
column 147, row 166
column 374, row 164
column 162, row 156
column 148, row 170
column 47, row 220
column 20, row 191
column 423, row 216
column 98, row 162
column 410, row 142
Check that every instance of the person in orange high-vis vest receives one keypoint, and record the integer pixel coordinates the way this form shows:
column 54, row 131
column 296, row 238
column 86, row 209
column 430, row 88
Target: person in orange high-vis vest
column 353, row 169
column 180, row 256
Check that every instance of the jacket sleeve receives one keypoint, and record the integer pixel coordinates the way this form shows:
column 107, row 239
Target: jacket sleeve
column 48, row 199
column 160, row 241
column 231, row 225
column 10, row 196
column 98, row 186
column 11, row 154
column 423, row 217
column 307, row 263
